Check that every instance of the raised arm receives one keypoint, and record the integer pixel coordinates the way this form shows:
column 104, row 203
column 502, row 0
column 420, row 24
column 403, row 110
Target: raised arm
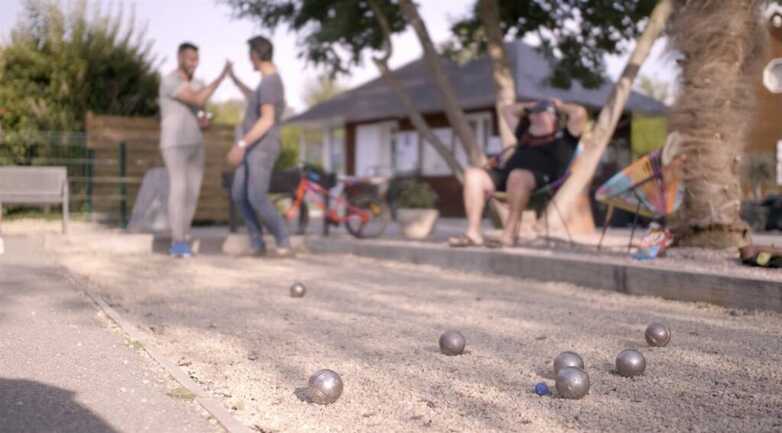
column 514, row 112
column 245, row 89
column 198, row 98
column 577, row 116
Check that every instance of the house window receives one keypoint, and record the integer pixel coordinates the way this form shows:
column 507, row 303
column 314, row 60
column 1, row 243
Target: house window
column 374, row 148
column 336, row 150
column 405, row 153
column 434, row 165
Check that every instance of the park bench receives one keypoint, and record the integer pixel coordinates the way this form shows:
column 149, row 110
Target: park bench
column 35, row 186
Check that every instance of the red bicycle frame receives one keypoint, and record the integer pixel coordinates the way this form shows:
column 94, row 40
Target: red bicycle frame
column 306, row 185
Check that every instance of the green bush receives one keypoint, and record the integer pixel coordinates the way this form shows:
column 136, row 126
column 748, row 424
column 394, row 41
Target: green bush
column 60, row 63
column 416, row 194
column 648, row 134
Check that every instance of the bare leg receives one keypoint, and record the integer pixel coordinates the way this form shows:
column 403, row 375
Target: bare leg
column 520, row 186
column 477, row 184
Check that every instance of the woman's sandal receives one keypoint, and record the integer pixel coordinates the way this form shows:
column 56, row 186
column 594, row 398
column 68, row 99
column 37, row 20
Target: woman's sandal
column 463, row 241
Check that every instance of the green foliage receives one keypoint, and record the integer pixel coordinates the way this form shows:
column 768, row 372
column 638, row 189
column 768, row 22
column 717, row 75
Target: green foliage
column 648, row 133
column 61, row 63
column 289, row 155
column 416, row 194
column 575, row 34
column 333, row 33
column 321, row 89
column 229, row 112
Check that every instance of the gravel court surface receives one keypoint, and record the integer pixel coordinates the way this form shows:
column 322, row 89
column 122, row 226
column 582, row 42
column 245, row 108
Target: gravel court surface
column 230, row 323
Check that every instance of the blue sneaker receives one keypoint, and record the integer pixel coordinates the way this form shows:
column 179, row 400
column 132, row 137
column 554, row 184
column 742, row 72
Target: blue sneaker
column 180, row 249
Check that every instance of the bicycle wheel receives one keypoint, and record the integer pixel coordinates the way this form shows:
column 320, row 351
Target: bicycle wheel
column 367, row 216
column 300, row 220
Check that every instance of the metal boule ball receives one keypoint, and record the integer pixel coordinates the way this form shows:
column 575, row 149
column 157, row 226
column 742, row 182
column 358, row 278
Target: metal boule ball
column 572, row 383
column 567, row 359
column 325, row 387
column 452, row 343
column 298, row 290
column 658, row 335
column 630, row 363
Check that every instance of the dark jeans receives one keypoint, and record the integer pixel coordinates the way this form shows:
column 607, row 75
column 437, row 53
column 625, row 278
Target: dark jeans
column 250, row 192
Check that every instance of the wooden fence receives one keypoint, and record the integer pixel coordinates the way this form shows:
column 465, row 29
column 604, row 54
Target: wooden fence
column 133, row 144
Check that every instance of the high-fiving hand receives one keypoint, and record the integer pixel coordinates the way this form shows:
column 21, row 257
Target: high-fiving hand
column 228, row 70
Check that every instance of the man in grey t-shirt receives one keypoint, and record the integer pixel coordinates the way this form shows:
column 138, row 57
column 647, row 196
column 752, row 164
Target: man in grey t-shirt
column 255, row 154
column 182, row 98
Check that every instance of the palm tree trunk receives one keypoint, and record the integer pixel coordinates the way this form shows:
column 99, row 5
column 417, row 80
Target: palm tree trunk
column 721, row 42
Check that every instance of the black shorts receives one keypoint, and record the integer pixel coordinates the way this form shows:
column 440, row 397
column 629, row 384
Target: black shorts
column 499, row 176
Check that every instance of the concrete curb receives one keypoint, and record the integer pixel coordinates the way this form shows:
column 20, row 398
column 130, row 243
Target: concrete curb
column 725, row 290
column 111, row 243
column 210, row 404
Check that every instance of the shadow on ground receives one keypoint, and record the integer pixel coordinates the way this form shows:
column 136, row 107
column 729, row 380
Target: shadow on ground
column 32, row 407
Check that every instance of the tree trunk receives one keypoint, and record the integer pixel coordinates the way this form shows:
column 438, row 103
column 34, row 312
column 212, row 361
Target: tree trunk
column 453, row 110
column 504, row 84
column 596, row 140
column 415, row 116
column 722, row 42
column 419, row 122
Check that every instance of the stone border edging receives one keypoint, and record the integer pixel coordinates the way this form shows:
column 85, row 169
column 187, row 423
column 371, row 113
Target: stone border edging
column 210, row 404
column 720, row 289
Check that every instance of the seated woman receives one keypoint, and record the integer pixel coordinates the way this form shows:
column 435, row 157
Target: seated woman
column 541, row 156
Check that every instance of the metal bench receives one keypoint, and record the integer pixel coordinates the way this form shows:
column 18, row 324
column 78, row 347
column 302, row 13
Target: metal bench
column 35, row 186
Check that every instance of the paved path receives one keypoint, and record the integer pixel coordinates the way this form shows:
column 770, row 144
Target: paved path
column 64, row 368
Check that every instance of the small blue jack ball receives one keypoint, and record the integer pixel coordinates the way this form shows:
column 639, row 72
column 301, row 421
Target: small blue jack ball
column 541, row 389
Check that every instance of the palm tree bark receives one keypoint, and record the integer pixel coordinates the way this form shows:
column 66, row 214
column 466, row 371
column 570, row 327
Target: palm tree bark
column 433, row 60
column 596, row 140
column 504, row 84
column 721, row 42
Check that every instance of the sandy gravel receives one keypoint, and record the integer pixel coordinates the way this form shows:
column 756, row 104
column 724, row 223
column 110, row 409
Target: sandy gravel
column 232, row 326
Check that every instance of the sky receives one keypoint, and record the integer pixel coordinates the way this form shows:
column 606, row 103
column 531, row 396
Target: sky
column 210, row 25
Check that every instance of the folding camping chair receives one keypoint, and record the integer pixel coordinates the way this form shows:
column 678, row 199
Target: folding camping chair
column 544, row 195
column 650, row 187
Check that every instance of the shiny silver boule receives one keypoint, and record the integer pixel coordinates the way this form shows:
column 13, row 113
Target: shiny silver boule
column 630, row 363
column 298, row 290
column 658, row 335
column 325, row 387
column 452, row 343
column 567, row 359
column 572, row 382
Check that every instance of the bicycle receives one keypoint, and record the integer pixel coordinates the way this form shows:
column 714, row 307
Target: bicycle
column 354, row 202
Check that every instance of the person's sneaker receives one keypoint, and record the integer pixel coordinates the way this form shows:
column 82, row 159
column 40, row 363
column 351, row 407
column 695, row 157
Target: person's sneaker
column 257, row 248
column 180, row 249
column 283, row 253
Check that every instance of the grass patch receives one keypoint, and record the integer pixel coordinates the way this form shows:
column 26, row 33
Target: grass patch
column 135, row 344
column 181, row 393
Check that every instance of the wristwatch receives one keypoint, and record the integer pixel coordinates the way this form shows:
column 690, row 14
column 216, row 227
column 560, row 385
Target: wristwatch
column 241, row 143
